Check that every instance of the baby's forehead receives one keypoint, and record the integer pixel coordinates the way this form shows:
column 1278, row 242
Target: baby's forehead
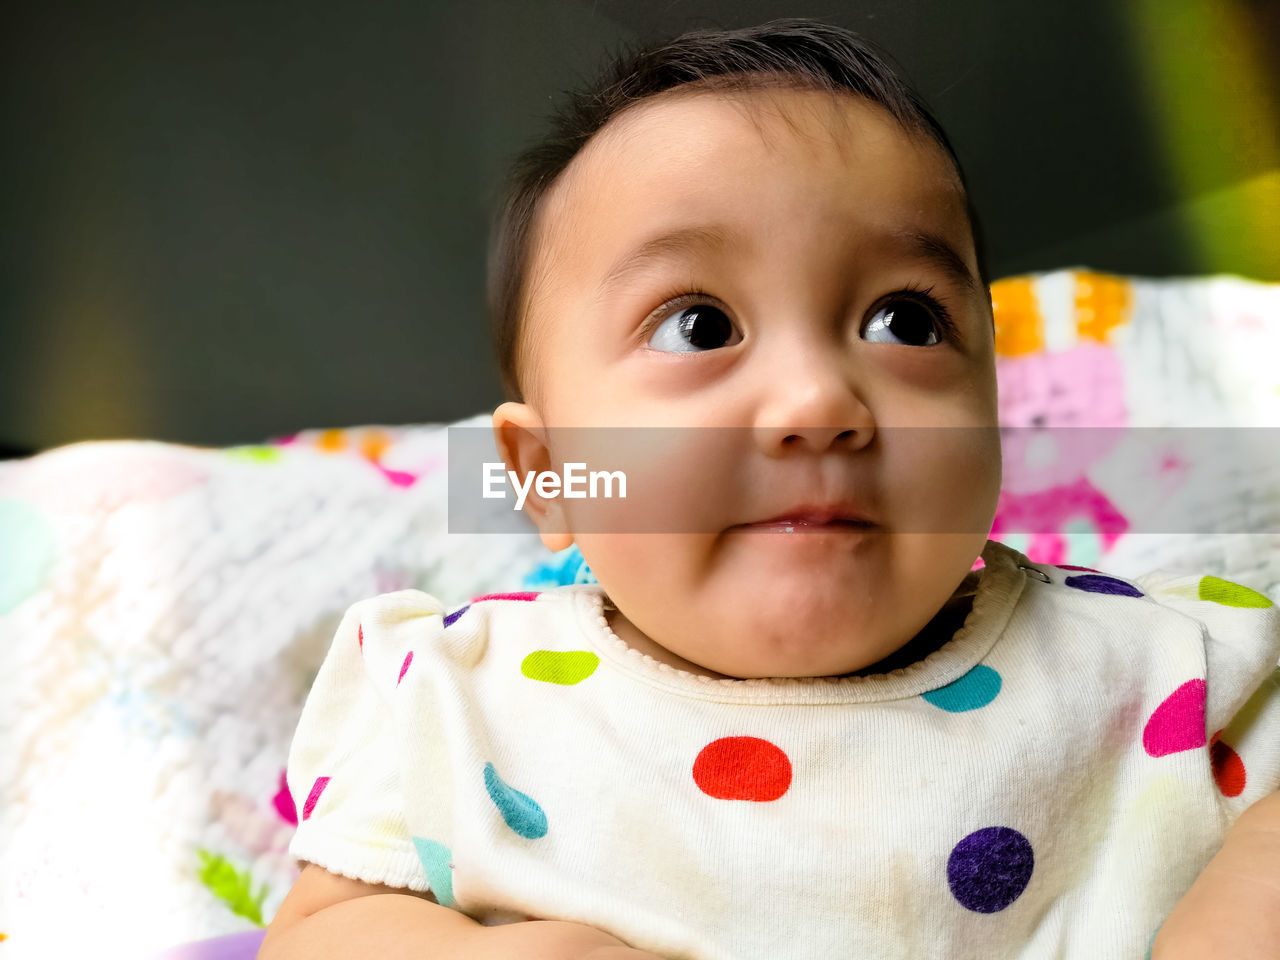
column 657, row 155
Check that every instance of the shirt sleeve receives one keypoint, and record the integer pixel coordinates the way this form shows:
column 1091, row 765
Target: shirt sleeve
column 344, row 770
column 1241, row 631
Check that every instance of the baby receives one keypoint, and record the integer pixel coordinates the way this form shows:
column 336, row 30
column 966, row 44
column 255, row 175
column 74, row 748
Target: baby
column 790, row 721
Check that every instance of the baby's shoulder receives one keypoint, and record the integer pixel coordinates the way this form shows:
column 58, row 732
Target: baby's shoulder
column 520, row 609
column 1224, row 608
column 407, row 620
column 1240, row 625
column 1217, row 611
column 1190, row 594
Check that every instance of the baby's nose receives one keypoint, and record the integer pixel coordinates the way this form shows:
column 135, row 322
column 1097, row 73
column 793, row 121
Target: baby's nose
column 777, row 441
column 817, row 411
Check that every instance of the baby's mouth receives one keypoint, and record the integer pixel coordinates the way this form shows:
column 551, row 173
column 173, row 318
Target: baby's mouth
column 810, row 520
column 804, row 526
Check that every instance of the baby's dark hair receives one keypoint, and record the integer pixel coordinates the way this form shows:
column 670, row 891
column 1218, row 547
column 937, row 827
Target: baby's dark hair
column 797, row 53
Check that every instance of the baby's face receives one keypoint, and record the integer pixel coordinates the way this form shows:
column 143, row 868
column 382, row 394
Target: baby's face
column 800, row 326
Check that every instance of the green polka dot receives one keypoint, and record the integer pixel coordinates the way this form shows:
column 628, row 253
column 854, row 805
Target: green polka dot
column 562, row 667
column 1230, row 594
column 27, row 555
column 254, row 454
column 437, row 863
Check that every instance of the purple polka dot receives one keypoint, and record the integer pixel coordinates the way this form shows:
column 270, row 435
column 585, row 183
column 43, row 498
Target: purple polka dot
column 456, row 614
column 990, row 868
column 1096, row 583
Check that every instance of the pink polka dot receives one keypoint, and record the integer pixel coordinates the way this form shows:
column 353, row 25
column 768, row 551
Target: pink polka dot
column 521, row 595
column 1178, row 723
column 404, row 668
column 283, row 802
column 317, row 788
column 742, row 768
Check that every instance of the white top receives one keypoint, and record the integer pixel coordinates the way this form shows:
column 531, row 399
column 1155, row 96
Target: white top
column 1047, row 783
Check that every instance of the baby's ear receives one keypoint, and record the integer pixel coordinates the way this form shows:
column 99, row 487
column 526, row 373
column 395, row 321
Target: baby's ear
column 520, row 436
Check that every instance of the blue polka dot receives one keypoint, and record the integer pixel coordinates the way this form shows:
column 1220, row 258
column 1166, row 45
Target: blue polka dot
column 1096, row 583
column 456, row 614
column 437, row 861
column 520, row 812
column 975, row 689
column 990, row 868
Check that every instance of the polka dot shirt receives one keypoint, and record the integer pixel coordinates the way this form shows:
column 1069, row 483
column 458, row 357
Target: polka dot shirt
column 1052, row 777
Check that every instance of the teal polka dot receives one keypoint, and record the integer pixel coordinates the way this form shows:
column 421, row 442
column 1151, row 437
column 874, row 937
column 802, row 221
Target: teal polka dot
column 27, row 553
column 520, row 812
column 437, row 861
column 975, row 689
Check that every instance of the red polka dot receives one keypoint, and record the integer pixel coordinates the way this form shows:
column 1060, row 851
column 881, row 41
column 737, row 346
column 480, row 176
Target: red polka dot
column 742, row 768
column 360, row 634
column 1228, row 768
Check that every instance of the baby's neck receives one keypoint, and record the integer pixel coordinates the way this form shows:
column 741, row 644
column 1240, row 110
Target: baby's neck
column 627, row 632
column 931, row 637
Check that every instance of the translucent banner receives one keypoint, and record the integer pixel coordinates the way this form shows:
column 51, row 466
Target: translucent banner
column 1108, row 480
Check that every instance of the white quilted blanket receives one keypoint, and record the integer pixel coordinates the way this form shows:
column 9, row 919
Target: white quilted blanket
column 163, row 608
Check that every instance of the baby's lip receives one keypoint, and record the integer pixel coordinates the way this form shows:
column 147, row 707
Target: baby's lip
column 809, row 515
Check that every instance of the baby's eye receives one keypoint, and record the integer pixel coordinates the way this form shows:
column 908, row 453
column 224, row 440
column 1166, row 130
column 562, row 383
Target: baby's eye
column 694, row 329
column 915, row 322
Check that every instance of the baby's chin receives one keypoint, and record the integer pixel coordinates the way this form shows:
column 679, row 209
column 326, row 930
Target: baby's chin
column 828, row 640
column 786, row 605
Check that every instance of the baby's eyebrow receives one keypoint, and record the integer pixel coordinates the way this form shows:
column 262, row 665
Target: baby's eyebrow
column 934, row 250
column 923, row 246
column 671, row 244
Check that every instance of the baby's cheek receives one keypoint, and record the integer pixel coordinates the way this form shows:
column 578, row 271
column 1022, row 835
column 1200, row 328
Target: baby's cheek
column 943, row 380
column 940, row 480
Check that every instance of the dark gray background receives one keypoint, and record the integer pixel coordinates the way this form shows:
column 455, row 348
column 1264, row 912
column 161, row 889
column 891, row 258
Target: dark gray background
column 229, row 221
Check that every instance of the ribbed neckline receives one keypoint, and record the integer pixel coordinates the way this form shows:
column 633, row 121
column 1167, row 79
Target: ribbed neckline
column 999, row 587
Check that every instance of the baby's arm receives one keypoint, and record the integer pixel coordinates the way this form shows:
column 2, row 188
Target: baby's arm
column 1232, row 911
column 326, row 915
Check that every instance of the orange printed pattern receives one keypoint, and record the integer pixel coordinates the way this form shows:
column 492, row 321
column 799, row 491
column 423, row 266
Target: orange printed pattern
column 1019, row 323
column 367, row 442
column 364, row 443
column 1103, row 302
